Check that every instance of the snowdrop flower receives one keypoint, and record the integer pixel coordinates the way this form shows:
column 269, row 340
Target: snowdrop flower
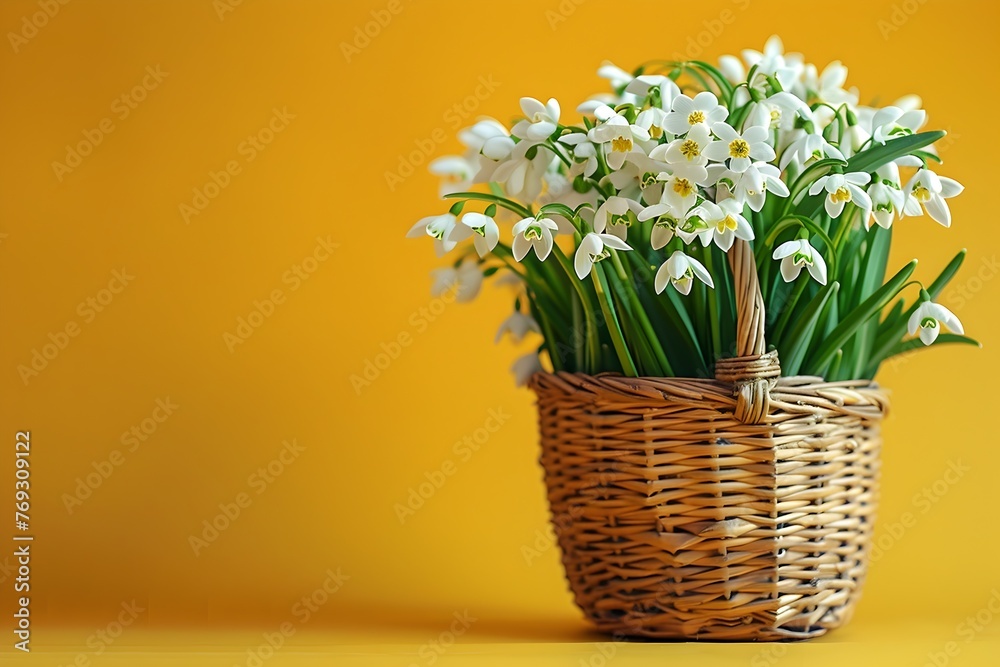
column 526, row 366
column 482, row 228
column 686, row 112
column 667, row 216
column 681, row 187
column 930, row 191
column 740, row 149
column 614, row 74
column 593, row 248
column 652, row 119
column 722, row 223
column 796, row 254
column 541, row 120
column 689, row 149
column 680, row 270
column 752, row 186
column 841, row 189
column 617, row 135
column 584, row 154
column 532, row 233
column 779, row 110
column 438, row 227
column 774, row 62
column 889, row 198
column 637, row 177
column 892, row 121
column 476, row 136
column 456, row 173
column 827, row 86
column 613, row 216
column 518, row 325
column 463, row 281
column 928, row 317
column 522, row 176
column 808, row 148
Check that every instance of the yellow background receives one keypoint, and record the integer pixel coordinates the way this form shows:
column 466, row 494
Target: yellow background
column 356, row 116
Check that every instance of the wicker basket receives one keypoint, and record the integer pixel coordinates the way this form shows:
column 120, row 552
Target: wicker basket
column 739, row 508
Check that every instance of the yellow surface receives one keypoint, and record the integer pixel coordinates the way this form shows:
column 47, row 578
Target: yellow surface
column 329, row 123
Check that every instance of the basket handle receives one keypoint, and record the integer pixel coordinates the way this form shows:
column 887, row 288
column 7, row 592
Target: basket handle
column 753, row 370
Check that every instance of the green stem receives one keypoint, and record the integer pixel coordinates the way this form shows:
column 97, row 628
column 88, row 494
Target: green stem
column 607, row 307
column 640, row 312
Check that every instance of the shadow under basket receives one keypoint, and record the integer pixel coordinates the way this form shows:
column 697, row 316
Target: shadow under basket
column 739, row 508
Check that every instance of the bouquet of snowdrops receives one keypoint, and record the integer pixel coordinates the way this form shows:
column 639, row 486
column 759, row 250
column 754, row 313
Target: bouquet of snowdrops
column 615, row 231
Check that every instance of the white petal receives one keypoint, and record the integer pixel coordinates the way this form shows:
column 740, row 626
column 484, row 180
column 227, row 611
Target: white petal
column 942, row 314
column 591, row 244
column 520, row 247
column 929, row 334
column 662, row 278
column 615, row 242
column 699, row 270
column 950, row 187
column 789, row 269
column 818, row 268
column 724, row 132
column 938, row 209
column 546, row 246
column 541, row 130
column 530, row 106
column 786, row 249
column 660, row 236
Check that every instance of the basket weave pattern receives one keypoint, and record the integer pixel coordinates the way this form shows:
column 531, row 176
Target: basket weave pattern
column 739, row 508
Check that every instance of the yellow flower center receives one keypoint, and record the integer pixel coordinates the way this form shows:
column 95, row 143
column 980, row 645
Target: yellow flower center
column 690, row 149
column 683, row 187
column 621, row 144
column 921, row 193
column 655, row 132
column 739, row 148
column 842, row 194
column 729, row 222
column 696, row 117
column 775, row 115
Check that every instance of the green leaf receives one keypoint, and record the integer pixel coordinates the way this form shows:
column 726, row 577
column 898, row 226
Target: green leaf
column 878, row 155
column 942, row 339
column 801, row 335
column 850, row 323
